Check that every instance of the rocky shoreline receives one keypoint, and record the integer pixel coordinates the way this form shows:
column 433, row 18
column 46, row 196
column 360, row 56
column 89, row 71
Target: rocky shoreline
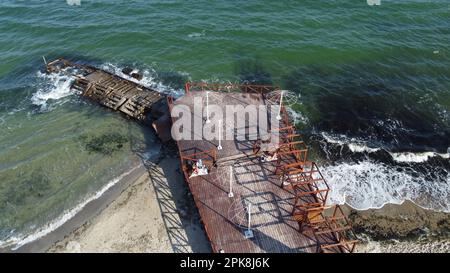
column 401, row 228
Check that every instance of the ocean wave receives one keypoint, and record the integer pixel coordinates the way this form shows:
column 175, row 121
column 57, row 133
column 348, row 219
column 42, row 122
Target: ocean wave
column 20, row 240
column 359, row 146
column 54, row 86
column 367, row 184
column 197, row 34
column 297, row 117
column 417, row 157
column 149, row 79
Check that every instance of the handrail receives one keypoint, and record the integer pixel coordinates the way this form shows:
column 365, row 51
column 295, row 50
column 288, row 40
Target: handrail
column 247, row 88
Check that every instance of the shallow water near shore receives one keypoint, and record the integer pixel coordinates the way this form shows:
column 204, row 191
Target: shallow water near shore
column 373, row 81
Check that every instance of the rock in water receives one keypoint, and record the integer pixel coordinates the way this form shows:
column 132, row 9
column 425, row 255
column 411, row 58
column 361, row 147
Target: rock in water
column 137, row 76
column 127, row 70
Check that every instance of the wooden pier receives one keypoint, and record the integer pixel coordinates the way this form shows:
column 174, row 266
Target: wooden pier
column 285, row 197
column 117, row 93
column 288, row 196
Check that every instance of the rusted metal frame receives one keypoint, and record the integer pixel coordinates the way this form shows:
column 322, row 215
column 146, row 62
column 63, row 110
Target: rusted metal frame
column 194, row 157
column 337, row 218
column 296, row 164
column 305, row 217
column 299, row 201
column 202, row 86
column 304, row 182
column 292, row 145
column 297, row 157
column 311, row 205
column 323, row 178
column 347, row 245
column 338, row 213
column 339, row 237
column 313, row 183
column 285, row 128
column 256, row 147
column 285, row 115
column 288, row 130
column 333, row 230
column 314, row 192
column 302, row 155
column 338, row 231
column 293, row 152
column 310, row 208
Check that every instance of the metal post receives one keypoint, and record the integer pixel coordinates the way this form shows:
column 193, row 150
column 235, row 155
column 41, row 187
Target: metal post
column 249, row 215
column 249, row 233
column 281, row 104
column 207, row 107
column 230, row 193
column 220, row 135
column 45, row 61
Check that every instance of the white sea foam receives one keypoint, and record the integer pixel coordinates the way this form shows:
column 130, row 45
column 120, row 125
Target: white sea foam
column 368, row 184
column 416, row 157
column 355, row 145
column 359, row 146
column 196, row 34
column 22, row 239
column 297, row 116
column 54, row 86
column 149, row 79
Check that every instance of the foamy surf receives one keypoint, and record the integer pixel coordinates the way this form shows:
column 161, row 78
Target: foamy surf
column 417, row 157
column 149, row 79
column 54, row 86
column 360, row 146
column 197, row 34
column 19, row 240
column 367, row 184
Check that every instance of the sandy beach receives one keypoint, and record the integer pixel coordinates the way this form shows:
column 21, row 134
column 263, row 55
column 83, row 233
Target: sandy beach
column 154, row 214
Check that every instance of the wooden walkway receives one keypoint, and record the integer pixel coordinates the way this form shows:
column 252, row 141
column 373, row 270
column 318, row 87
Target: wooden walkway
column 226, row 219
column 110, row 90
column 254, row 182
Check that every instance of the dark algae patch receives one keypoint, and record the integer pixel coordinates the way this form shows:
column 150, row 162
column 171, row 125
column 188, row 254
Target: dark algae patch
column 106, row 144
column 32, row 186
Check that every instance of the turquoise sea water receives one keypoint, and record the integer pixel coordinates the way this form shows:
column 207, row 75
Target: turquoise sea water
column 373, row 81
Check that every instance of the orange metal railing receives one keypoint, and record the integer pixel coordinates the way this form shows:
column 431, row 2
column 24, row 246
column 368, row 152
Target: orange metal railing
column 246, row 88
